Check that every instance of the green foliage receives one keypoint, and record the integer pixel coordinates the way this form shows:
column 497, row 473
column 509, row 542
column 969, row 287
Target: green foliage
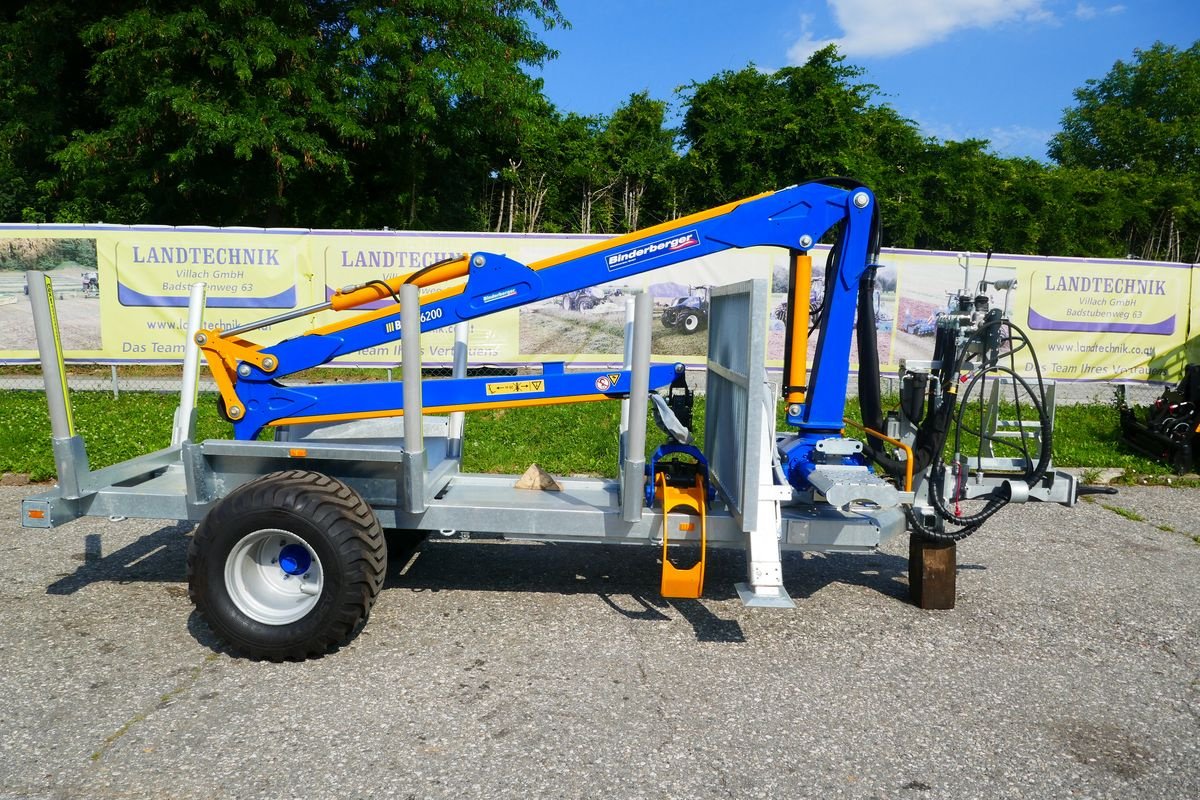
column 424, row 115
column 255, row 112
column 1142, row 116
column 749, row 130
column 1142, row 120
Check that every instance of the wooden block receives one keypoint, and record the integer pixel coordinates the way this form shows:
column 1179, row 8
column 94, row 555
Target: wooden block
column 932, row 568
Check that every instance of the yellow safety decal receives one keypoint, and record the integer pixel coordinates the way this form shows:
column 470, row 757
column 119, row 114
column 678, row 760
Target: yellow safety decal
column 515, row 387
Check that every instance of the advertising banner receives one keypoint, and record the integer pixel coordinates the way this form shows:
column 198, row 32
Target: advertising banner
column 122, row 295
column 1087, row 319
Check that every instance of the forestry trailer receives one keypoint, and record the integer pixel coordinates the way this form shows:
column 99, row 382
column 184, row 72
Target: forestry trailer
column 290, row 552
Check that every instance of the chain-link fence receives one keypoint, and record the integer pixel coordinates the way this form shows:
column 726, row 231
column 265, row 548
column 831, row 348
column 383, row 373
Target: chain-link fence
column 119, row 378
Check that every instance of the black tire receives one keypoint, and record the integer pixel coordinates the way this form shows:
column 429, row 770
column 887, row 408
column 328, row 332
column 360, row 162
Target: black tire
column 566, row 302
column 692, row 322
column 587, row 303
column 668, row 320
column 314, row 512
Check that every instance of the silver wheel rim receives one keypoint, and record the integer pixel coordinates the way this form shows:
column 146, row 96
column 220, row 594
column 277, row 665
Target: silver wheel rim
column 266, row 578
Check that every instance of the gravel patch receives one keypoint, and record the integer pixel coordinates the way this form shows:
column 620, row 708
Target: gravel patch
column 1070, row 668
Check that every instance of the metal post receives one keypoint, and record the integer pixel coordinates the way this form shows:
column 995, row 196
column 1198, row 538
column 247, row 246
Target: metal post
column 70, row 456
column 639, row 393
column 626, row 363
column 116, row 386
column 414, row 425
column 458, row 418
column 185, row 416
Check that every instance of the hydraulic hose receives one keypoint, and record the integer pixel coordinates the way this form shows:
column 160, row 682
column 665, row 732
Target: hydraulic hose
column 936, row 491
column 934, row 428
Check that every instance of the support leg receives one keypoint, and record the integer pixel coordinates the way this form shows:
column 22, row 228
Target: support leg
column 764, row 568
column 764, row 572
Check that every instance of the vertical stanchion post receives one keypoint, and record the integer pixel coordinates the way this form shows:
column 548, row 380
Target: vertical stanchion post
column 70, row 456
column 414, row 424
column 116, row 386
column 458, row 418
column 185, row 416
column 633, row 481
column 626, row 363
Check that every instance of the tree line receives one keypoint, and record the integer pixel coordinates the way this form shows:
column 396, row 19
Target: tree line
column 425, row 114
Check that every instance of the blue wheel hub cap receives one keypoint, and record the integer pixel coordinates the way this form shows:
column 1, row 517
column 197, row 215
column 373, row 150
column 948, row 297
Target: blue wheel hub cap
column 294, row 559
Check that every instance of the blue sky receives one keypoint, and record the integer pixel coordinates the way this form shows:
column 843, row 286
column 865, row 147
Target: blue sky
column 1001, row 70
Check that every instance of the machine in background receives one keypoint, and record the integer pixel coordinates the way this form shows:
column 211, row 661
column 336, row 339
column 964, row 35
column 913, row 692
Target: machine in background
column 1168, row 429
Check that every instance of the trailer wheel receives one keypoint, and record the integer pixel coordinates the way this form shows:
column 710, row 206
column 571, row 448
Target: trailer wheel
column 287, row 566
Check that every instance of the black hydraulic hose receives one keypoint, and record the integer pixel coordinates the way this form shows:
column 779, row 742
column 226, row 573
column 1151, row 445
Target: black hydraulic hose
column 970, row 524
column 869, row 400
column 1046, row 425
column 426, row 270
column 386, row 287
column 934, row 429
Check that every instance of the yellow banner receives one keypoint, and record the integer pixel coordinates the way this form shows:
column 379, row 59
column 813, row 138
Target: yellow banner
column 122, row 295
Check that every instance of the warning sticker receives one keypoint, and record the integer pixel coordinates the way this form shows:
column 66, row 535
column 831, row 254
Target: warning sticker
column 515, row 387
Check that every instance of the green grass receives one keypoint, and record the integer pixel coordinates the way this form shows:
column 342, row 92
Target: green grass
column 1128, row 514
column 114, row 428
column 565, row 440
column 1089, row 436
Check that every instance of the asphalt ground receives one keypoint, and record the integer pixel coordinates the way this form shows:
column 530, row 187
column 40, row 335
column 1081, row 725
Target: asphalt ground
column 1070, row 668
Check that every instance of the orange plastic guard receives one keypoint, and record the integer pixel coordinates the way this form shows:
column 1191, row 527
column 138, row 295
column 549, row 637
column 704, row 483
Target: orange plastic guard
column 683, row 583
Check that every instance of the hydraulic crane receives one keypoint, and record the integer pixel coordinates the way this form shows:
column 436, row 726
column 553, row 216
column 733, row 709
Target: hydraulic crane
column 794, row 218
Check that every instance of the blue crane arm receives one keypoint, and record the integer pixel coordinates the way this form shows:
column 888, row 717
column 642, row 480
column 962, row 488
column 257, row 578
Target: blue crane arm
column 794, row 218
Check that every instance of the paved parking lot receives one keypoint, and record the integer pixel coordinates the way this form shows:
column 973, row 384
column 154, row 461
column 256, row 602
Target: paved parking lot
column 1071, row 668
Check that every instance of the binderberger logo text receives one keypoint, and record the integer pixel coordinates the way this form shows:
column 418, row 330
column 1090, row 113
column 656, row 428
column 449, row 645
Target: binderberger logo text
column 645, row 252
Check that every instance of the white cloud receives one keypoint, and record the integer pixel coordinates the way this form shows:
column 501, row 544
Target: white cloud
column 889, row 27
column 1020, row 140
column 1008, row 140
column 1086, row 11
